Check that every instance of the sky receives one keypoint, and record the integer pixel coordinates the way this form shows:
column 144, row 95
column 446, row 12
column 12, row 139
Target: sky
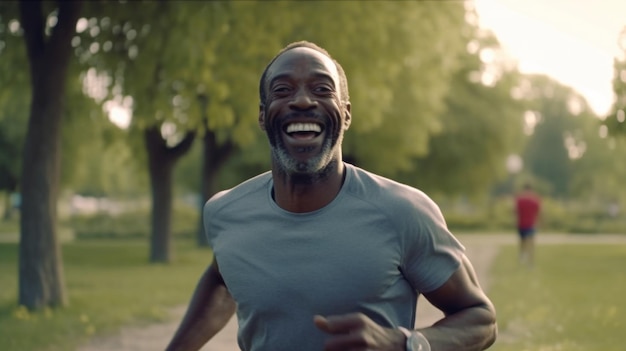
column 573, row 41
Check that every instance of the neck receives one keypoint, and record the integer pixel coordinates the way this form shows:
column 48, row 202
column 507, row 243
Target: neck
column 302, row 193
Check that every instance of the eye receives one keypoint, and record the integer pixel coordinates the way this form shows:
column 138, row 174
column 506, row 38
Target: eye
column 323, row 89
column 281, row 90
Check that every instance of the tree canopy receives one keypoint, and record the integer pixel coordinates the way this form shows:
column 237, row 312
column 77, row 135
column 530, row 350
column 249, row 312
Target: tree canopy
column 435, row 102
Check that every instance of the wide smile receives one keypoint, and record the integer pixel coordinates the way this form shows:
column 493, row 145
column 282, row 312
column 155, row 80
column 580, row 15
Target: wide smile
column 303, row 131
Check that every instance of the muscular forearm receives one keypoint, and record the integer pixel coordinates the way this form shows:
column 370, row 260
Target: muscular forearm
column 470, row 318
column 211, row 307
column 468, row 330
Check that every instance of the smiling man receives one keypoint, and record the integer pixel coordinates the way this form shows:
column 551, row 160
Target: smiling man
column 321, row 255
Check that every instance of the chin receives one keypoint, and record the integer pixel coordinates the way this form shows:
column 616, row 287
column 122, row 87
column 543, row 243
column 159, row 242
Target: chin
column 316, row 167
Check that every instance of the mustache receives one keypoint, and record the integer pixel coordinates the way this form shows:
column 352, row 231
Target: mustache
column 306, row 114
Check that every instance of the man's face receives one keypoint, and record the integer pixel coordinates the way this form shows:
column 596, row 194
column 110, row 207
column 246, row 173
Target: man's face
column 304, row 117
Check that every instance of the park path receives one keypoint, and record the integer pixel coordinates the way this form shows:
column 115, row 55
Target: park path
column 481, row 250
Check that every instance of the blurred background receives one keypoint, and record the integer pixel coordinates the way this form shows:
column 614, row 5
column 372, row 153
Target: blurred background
column 118, row 119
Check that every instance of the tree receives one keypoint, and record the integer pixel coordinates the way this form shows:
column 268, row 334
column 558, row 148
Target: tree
column 161, row 55
column 617, row 117
column 47, row 35
column 598, row 174
column 12, row 126
column 13, row 102
column 84, row 126
column 165, row 55
column 480, row 127
column 398, row 62
column 556, row 139
column 409, row 75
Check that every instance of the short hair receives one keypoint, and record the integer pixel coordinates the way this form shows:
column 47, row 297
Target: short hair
column 343, row 80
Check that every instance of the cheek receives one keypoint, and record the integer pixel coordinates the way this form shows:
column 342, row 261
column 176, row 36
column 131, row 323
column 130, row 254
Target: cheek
column 268, row 119
column 272, row 126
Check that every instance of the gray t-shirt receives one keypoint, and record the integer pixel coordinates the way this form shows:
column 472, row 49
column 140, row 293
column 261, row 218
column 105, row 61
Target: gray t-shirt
column 373, row 249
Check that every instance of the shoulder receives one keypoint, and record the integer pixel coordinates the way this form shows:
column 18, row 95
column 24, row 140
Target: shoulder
column 256, row 185
column 389, row 195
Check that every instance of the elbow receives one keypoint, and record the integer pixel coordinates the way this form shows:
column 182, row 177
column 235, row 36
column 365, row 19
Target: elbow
column 491, row 327
column 487, row 326
column 492, row 335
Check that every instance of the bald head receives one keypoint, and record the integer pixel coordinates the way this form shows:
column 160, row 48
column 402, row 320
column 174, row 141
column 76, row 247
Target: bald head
column 319, row 51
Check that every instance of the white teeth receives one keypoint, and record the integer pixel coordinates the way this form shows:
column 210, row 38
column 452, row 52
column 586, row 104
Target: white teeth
column 303, row 127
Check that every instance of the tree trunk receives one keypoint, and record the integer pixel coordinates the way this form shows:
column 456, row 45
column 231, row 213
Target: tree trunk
column 161, row 161
column 41, row 281
column 161, row 187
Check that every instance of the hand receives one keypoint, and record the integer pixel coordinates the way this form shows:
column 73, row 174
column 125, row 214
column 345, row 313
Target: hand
column 357, row 332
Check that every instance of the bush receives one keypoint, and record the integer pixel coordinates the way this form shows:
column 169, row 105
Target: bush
column 556, row 216
column 131, row 224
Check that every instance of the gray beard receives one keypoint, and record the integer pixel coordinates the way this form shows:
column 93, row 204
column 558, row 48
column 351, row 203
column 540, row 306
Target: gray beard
column 314, row 167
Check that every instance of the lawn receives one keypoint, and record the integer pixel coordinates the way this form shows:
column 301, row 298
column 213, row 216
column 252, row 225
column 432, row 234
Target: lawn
column 572, row 300
column 110, row 283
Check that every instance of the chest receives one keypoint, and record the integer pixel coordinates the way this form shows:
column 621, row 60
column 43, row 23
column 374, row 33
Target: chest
column 326, row 263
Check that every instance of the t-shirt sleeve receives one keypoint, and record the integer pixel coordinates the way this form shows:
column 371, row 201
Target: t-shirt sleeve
column 431, row 254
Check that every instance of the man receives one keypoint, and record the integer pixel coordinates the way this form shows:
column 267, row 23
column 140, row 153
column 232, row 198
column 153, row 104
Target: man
column 527, row 206
column 321, row 255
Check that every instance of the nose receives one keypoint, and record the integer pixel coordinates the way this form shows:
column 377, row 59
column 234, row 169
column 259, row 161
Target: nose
column 302, row 101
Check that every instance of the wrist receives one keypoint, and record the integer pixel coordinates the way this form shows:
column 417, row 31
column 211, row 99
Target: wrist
column 415, row 341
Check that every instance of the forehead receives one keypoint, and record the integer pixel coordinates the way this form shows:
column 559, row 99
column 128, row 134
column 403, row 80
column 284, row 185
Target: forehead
column 303, row 61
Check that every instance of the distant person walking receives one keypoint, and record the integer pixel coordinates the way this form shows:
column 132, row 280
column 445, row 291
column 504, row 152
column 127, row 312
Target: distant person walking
column 527, row 206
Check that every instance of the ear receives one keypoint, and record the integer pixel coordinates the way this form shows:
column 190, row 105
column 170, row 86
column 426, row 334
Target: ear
column 262, row 116
column 347, row 115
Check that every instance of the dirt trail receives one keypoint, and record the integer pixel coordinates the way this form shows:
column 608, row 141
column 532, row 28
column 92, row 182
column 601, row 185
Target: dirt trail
column 481, row 249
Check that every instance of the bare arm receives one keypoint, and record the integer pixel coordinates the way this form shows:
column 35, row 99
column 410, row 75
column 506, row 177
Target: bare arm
column 469, row 323
column 470, row 318
column 211, row 307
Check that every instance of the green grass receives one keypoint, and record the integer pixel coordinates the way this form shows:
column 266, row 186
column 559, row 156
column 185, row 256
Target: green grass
column 572, row 300
column 110, row 283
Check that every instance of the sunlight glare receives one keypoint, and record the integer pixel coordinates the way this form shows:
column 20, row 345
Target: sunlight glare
column 119, row 115
column 569, row 40
column 81, row 25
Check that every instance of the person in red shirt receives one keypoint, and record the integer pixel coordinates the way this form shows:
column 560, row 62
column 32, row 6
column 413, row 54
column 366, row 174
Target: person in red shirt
column 527, row 206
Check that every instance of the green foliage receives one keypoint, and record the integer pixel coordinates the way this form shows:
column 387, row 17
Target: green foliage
column 163, row 54
column 85, row 124
column 398, row 81
column 616, row 120
column 572, row 299
column 398, row 77
column 558, row 135
column 480, row 127
column 14, row 97
column 110, row 285
column 598, row 175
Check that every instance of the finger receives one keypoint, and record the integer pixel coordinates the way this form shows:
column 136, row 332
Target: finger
column 321, row 323
column 340, row 324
